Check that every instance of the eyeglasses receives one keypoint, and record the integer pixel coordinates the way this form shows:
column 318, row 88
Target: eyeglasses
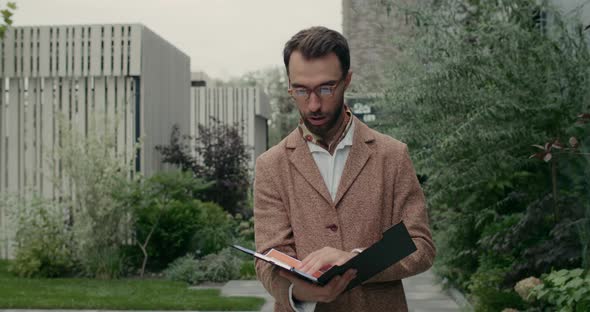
column 302, row 94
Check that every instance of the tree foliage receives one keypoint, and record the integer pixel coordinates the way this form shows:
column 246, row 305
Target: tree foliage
column 479, row 83
column 167, row 217
column 7, row 14
column 220, row 156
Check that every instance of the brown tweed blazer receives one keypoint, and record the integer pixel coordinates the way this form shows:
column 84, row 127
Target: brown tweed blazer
column 294, row 213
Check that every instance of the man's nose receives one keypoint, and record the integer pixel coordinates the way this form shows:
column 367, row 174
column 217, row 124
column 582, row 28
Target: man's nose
column 314, row 103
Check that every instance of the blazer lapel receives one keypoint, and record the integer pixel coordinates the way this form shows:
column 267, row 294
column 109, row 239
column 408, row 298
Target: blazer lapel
column 303, row 162
column 359, row 154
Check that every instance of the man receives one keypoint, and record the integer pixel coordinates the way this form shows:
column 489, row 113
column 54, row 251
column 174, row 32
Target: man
column 332, row 187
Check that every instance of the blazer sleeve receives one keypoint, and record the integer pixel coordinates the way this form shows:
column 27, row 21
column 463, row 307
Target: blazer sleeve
column 409, row 199
column 272, row 229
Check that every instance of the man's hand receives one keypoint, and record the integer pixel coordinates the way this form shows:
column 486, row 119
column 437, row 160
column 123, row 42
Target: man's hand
column 323, row 257
column 305, row 291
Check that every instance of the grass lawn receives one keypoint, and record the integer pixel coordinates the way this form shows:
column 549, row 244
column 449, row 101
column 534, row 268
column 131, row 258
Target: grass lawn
column 123, row 294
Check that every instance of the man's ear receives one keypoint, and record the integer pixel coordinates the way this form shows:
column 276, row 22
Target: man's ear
column 347, row 79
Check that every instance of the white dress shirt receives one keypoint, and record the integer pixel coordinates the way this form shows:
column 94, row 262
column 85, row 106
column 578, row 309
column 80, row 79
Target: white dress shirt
column 331, row 168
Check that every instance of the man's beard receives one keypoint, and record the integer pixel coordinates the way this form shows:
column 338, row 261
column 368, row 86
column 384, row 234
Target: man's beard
column 323, row 130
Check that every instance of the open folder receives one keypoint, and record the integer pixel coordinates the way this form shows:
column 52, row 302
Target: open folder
column 395, row 245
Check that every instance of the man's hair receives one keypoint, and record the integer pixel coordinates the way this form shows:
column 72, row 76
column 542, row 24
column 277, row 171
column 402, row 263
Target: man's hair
column 317, row 42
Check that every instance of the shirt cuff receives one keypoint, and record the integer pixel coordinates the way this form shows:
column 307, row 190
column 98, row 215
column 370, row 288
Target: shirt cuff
column 300, row 306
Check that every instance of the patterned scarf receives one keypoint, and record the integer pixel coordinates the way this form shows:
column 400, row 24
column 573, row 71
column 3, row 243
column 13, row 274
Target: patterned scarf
column 317, row 140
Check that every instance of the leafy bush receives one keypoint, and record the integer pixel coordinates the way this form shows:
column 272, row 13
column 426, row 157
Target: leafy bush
column 488, row 295
column 220, row 267
column 487, row 287
column 171, row 223
column 215, row 229
column 535, row 240
column 99, row 220
column 565, row 290
column 184, row 269
column 243, row 231
column 43, row 241
column 222, row 157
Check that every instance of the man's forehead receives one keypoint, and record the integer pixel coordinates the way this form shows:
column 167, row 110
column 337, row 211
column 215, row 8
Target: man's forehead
column 314, row 70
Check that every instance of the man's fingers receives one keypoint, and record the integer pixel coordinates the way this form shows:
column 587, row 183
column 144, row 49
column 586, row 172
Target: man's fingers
column 311, row 265
column 314, row 267
column 344, row 281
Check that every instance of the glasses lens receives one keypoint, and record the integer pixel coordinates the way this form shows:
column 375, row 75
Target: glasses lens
column 300, row 92
column 325, row 90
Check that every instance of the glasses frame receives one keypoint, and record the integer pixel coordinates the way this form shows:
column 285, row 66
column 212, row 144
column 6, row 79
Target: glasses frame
column 314, row 90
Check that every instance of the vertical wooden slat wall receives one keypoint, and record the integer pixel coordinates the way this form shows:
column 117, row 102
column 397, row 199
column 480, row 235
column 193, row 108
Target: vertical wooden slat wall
column 229, row 106
column 78, row 72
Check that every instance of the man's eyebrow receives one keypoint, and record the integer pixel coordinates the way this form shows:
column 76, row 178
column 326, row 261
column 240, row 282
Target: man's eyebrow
column 329, row 82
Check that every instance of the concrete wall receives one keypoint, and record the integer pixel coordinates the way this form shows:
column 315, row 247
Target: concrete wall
column 370, row 28
column 165, row 91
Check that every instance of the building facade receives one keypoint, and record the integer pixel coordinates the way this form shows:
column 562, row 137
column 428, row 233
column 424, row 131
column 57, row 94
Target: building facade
column 371, row 27
column 85, row 75
column 249, row 108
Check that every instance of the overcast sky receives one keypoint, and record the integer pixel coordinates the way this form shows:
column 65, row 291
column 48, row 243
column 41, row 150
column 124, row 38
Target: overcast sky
column 224, row 38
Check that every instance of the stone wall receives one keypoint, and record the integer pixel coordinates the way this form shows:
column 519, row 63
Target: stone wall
column 371, row 27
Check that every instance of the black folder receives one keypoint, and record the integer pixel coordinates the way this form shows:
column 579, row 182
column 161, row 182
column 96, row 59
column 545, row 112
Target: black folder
column 395, row 245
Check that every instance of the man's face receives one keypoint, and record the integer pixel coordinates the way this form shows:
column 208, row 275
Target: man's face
column 320, row 115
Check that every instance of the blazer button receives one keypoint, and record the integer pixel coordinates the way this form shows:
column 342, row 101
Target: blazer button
column 332, row 227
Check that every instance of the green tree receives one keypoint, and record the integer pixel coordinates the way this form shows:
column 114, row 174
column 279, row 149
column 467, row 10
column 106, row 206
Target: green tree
column 7, row 14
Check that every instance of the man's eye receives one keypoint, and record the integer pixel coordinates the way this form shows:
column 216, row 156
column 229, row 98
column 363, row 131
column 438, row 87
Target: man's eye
column 300, row 92
column 325, row 90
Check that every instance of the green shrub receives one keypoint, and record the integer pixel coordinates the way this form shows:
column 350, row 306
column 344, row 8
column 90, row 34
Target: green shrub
column 215, row 229
column 100, row 220
column 244, row 230
column 184, row 269
column 487, row 286
column 248, row 270
column 172, row 235
column 43, row 241
column 220, row 267
column 166, row 216
column 165, row 206
column 565, row 290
